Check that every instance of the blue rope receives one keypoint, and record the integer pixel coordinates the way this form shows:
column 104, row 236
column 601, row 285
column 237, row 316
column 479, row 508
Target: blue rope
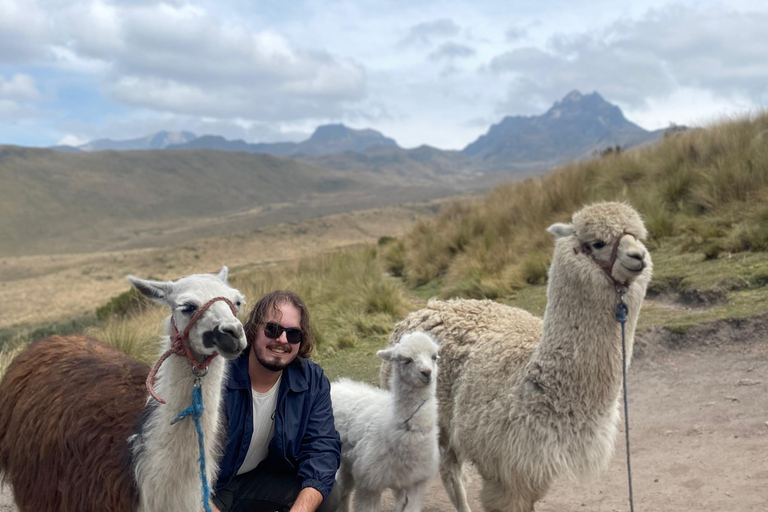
column 621, row 316
column 195, row 411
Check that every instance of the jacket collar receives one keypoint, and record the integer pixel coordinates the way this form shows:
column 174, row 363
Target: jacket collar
column 293, row 374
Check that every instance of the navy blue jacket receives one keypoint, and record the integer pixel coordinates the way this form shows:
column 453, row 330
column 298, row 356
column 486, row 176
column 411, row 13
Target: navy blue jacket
column 305, row 442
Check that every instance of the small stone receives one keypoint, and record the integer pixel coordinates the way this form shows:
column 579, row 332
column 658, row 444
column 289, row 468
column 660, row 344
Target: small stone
column 732, row 398
column 655, row 480
column 748, row 382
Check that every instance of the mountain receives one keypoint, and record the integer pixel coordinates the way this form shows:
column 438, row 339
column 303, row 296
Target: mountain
column 575, row 127
column 422, row 163
column 78, row 202
column 327, row 139
column 218, row 143
column 159, row 140
column 337, row 138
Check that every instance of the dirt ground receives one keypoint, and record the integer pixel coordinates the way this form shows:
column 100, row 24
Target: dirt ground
column 699, row 434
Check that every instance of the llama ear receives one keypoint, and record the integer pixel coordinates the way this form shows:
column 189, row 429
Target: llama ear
column 562, row 230
column 155, row 290
column 223, row 273
column 389, row 354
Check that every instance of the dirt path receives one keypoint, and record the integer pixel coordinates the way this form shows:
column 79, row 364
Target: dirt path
column 699, row 429
column 699, row 434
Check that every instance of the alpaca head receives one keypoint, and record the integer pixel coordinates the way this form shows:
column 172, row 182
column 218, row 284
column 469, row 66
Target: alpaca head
column 217, row 331
column 414, row 359
column 599, row 232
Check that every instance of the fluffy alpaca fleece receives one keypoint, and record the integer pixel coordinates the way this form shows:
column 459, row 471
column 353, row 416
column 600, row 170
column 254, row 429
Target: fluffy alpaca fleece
column 389, row 439
column 79, row 433
column 529, row 401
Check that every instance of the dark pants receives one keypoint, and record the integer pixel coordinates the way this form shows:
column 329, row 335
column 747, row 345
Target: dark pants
column 261, row 491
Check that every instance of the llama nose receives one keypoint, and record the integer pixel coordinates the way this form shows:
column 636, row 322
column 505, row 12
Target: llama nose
column 236, row 331
column 637, row 255
column 426, row 374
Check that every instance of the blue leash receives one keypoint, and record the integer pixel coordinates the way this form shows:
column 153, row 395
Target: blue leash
column 621, row 316
column 195, row 411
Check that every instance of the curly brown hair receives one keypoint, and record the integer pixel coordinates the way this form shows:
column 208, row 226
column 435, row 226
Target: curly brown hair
column 270, row 302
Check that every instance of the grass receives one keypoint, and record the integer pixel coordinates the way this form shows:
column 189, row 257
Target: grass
column 702, row 193
column 704, row 189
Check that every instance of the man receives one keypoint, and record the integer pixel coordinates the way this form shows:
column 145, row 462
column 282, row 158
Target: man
column 282, row 448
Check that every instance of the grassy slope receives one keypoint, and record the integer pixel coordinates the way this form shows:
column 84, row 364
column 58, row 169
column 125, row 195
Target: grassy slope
column 83, row 198
column 702, row 194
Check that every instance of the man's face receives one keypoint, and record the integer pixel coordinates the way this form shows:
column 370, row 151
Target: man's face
column 274, row 355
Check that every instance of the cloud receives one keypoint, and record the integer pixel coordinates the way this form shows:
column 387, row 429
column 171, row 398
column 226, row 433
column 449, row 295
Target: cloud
column 181, row 58
column 71, row 140
column 19, row 88
column 24, row 31
column 451, row 50
column 424, row 33
column 632, row 61
column 515, row 34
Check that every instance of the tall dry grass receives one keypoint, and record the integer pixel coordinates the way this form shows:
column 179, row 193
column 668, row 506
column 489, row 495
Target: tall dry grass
column 707, row 187
column 137, row 334
column 347, row 294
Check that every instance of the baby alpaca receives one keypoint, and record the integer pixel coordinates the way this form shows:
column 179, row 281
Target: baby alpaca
column 389, row 439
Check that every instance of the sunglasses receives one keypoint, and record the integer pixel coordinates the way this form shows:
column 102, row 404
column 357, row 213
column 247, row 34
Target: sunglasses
column 292, row 334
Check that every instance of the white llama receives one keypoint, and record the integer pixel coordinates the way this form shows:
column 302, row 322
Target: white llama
column 528, row 403
column 68, row 406
column 389, row 440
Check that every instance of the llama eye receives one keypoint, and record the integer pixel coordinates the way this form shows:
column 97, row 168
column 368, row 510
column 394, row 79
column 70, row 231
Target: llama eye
column 238, row 303
column 407, row 360
column 434, row 357
column 598, row 245
column 188, row 309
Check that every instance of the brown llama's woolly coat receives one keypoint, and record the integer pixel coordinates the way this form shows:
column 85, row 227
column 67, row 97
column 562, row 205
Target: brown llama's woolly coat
column 72, row 402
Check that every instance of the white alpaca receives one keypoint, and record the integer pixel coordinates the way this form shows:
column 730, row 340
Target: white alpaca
column 89, row 398
column 389, row 440
column 528, row 403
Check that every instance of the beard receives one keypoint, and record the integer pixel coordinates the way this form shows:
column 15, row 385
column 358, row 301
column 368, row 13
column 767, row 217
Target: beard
column 271, row 363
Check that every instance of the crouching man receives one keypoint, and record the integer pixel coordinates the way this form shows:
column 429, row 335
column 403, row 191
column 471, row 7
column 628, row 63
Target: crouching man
column 282, row 448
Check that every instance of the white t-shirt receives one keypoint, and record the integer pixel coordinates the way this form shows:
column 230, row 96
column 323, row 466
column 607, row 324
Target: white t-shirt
column 264, row 405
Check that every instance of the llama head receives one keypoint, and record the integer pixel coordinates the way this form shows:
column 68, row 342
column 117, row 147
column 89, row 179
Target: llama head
column 414, row 359
column 217, row 331
column 596, row 231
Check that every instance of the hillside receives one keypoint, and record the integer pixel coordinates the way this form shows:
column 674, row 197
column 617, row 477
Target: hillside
column 52, row 201
column 704, row 197
column 422, row 163
column 574, row 128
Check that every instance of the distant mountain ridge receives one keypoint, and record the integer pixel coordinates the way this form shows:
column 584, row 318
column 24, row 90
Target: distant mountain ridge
column 578, row 126
column 326, row 140
column 159, row 140
column 574, row 127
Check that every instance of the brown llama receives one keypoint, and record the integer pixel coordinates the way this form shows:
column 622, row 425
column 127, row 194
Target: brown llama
column 79, row 431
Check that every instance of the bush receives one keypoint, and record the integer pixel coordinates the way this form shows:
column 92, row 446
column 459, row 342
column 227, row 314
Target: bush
column 127, row 303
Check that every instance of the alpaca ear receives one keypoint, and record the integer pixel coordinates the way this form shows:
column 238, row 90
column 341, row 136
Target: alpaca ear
column 222, row 275
column 389, row 354
column 561, row 230
column 155, row 290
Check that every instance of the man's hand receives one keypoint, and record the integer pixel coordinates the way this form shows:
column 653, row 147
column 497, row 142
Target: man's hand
column 215, row 509
column 308, row 500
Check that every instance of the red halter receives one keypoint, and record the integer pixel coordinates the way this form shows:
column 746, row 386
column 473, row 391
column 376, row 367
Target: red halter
column 180, row 346
column 607, row 266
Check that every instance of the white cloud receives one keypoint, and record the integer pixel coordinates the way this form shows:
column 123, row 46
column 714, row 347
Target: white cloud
column 19, row 88
column 24, row 31
column 71, row 140
column 425, row 33
column 637, row 62
column 450, row 50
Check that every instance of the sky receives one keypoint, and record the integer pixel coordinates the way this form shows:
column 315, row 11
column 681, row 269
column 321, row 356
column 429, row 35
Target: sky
column 427, row 72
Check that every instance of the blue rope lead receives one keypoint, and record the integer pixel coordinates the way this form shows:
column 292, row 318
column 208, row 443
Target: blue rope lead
column 195, row 411
column 621, row 316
